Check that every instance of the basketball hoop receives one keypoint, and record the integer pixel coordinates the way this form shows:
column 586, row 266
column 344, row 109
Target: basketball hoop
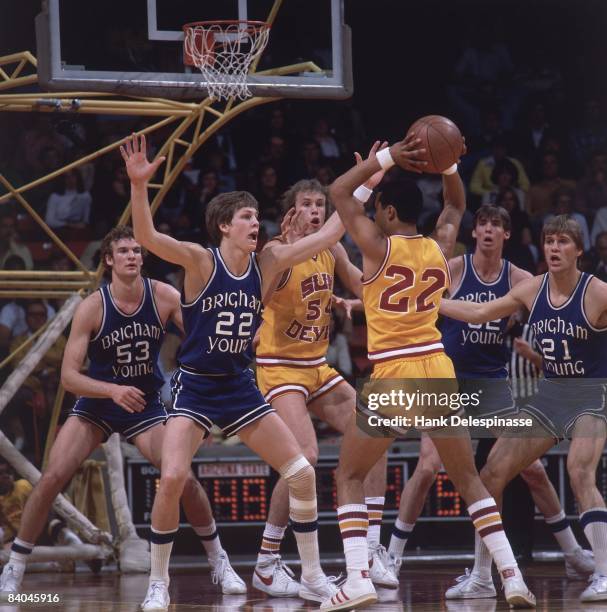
column 223, row 51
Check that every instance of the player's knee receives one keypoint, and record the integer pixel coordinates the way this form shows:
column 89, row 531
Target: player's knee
column 580, row 478
column 299, row 475
column 492, row 478
column 310, row 452
column 345, row 473
column 51, row 482
column 191, row 485
column 534, row 475
column 173, row 480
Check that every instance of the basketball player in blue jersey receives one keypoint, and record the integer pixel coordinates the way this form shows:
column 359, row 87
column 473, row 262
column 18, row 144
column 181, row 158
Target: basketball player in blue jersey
column 120, row 329
column 479, row 352
column 221, row 303
column 568, row 316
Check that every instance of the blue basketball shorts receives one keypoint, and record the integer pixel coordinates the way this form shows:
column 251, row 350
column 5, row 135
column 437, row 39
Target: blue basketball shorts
column 230, row 401
column 111, row 418
column 493, row 393
column 559, row 403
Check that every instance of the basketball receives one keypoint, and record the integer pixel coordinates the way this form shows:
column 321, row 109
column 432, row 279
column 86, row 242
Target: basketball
column 442, row 140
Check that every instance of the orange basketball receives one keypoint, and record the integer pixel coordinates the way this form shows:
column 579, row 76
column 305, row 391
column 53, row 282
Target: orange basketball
column 442, row 140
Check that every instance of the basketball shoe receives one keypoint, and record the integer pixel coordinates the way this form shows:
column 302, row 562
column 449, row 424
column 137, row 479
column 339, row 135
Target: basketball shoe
column 378, row 568
column 275, row 578
column 224, row 575
column 157, row 598
column 579, row 564
column 356, row 592
column 471, row 586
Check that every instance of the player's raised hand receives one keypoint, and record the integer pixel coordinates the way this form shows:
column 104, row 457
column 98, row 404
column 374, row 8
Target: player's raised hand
column 131, row 399
column 134, row 153
column 408, row 155
column 338, row 303
column 293, row 226
column 376, row 178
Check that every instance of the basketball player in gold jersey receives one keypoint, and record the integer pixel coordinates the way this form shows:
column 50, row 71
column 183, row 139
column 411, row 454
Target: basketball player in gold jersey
column 405, row 275
column 295, row 379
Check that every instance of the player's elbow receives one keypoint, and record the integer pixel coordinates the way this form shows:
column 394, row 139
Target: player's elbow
column 67, row 380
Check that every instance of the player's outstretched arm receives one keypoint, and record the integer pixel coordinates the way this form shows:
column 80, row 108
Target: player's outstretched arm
column 86, row 319
column 367, row 236
column 140, row 171
column 475, row 312
column 278, row 256
column 454, row 196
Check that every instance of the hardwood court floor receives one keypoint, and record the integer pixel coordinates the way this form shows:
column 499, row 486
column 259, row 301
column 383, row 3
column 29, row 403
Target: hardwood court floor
column 421, row 589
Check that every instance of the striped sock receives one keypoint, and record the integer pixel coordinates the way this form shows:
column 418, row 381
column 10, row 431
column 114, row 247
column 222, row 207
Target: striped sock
column 210, row 540
column 375, row 510
column 161, row 545
column 594, row 523
column 488, row 522
column 20, row 551
column 401, row 532
column 561, row 530
column 270, row 542
column 353, row 524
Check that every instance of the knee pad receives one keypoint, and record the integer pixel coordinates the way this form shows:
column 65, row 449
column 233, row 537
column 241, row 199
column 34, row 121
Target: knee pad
column 300, row 477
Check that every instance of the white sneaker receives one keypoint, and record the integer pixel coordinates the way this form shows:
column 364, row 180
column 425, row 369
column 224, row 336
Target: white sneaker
column 275, row 578
column 596, row 590
column 471, row 586
column 157, row 597
column 515, row 590
column 579, row 564
column 224, row 575
column 11, row 579
column 378, row 568
column 355, row 592
column 319, row 590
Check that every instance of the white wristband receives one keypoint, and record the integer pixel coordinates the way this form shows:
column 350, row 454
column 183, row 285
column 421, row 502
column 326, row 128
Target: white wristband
column 362, row 193
column 450, row 170
column 384, row 157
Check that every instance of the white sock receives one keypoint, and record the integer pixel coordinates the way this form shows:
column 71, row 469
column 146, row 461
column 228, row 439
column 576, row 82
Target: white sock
column 594, row 522
column 270, row 542
column 353, row 524
column 401, row 532
column 161, row 546
column 210, row 540
column 561, row 530
column 375, row 510
column 482, row 558
column 488, row 523
column 20, row 552
column 306, row 535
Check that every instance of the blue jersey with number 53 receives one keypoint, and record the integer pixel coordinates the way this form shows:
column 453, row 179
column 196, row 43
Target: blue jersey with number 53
column 125, row 350
column 221, row 322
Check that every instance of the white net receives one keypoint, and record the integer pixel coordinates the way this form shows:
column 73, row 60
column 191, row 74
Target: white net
column 224, row 52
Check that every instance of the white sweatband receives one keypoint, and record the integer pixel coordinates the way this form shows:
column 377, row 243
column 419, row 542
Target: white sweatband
column 450, row 170
column 362, row 193
column 384, row 157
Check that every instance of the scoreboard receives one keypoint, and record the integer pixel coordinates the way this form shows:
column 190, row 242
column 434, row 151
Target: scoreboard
column 239, row 488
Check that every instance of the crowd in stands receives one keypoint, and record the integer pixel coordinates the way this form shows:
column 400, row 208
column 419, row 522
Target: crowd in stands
column 527, row 152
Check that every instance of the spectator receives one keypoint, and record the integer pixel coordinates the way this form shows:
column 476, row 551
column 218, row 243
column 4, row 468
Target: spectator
column 504, row 176
column 70, row 205
column 268, row 198
column 530, row 140
column 309, row 162
column 12, row 316
column 481, row 182
column 590, row 134
column 13, row 495
column 562, row 204
column 592, row 189
column 519, row 248
column 9, row 244
column 36, row 395
column 600, row 264
column 600, row 224
column 540, row 195
column 325, row 139
column 325, row 175
column 338, row 353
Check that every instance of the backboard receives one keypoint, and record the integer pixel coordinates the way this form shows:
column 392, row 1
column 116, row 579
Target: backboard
column 135, row 47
